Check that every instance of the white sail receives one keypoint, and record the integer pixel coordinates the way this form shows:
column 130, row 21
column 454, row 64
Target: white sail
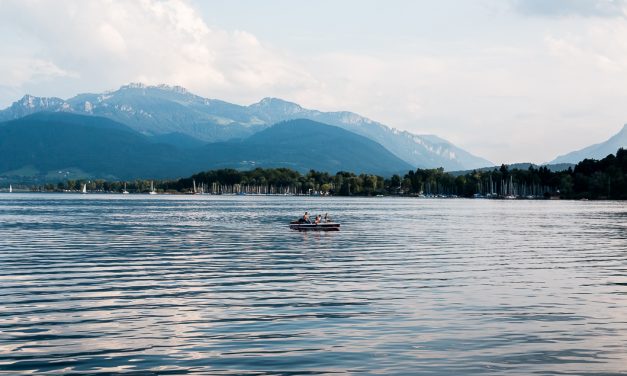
column 152, row 189
column 10, row 188
column 124, row 192
column 84, row 189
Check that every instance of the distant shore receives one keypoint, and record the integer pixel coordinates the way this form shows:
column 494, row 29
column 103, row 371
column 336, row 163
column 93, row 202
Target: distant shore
column 589, row 180
column 398, row 196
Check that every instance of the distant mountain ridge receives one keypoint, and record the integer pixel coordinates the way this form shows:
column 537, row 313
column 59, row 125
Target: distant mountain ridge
column 518, row 166
column 596, row 151
column 162, row 109
column 47, row 146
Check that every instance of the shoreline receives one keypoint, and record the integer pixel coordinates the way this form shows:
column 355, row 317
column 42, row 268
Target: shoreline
column 184, row 194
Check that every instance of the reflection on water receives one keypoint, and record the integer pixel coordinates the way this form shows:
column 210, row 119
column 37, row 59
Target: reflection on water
column 204, row 284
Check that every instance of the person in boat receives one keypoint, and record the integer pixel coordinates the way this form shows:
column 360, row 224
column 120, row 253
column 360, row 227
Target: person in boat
column 327, row 219
column 318, row 219
column 304, row 218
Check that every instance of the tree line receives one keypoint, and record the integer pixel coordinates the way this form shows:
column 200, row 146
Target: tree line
column 589, row 179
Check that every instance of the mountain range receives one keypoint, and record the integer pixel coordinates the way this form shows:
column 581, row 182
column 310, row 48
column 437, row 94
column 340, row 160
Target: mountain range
column 52, row 146
column 165, row 131
column 171, row 110
column 596, row 151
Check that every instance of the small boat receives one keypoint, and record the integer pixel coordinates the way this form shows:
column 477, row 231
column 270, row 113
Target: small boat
column 124, row 192
column 152, row 189
column 84, row 190
column 295, row 225
column 10, row 188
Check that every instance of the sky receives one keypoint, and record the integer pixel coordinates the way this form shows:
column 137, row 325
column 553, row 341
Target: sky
column 507, row 80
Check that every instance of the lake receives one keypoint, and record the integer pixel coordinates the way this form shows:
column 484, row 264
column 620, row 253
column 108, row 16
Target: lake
column 167, row 285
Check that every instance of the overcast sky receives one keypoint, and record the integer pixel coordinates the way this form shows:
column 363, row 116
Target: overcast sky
column 508, row 80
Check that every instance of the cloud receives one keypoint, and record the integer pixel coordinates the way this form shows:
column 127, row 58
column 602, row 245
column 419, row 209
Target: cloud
column 16, row 71
column 477, row 79
column 583, row 8
column 531, row 99
column 112, row 42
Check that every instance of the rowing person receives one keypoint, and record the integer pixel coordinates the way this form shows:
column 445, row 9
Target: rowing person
column 304, row 218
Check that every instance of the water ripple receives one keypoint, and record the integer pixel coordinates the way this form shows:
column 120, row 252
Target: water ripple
column 169, row 285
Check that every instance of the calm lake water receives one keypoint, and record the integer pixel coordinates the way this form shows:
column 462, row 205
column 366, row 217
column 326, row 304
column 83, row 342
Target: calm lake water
column 101, row 284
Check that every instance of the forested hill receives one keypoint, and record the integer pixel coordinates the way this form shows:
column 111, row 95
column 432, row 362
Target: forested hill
column 303, row 145
column 46, row 147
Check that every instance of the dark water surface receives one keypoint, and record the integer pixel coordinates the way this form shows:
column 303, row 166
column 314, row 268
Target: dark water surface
column 104, row 284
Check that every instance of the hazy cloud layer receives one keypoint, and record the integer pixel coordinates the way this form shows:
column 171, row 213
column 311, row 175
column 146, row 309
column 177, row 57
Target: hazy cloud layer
column 584, row 8
column 484, row 75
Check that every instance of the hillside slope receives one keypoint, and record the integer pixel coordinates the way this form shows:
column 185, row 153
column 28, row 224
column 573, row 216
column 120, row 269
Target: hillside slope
column 303, row 145
column 596, row 151
column 45, row 146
